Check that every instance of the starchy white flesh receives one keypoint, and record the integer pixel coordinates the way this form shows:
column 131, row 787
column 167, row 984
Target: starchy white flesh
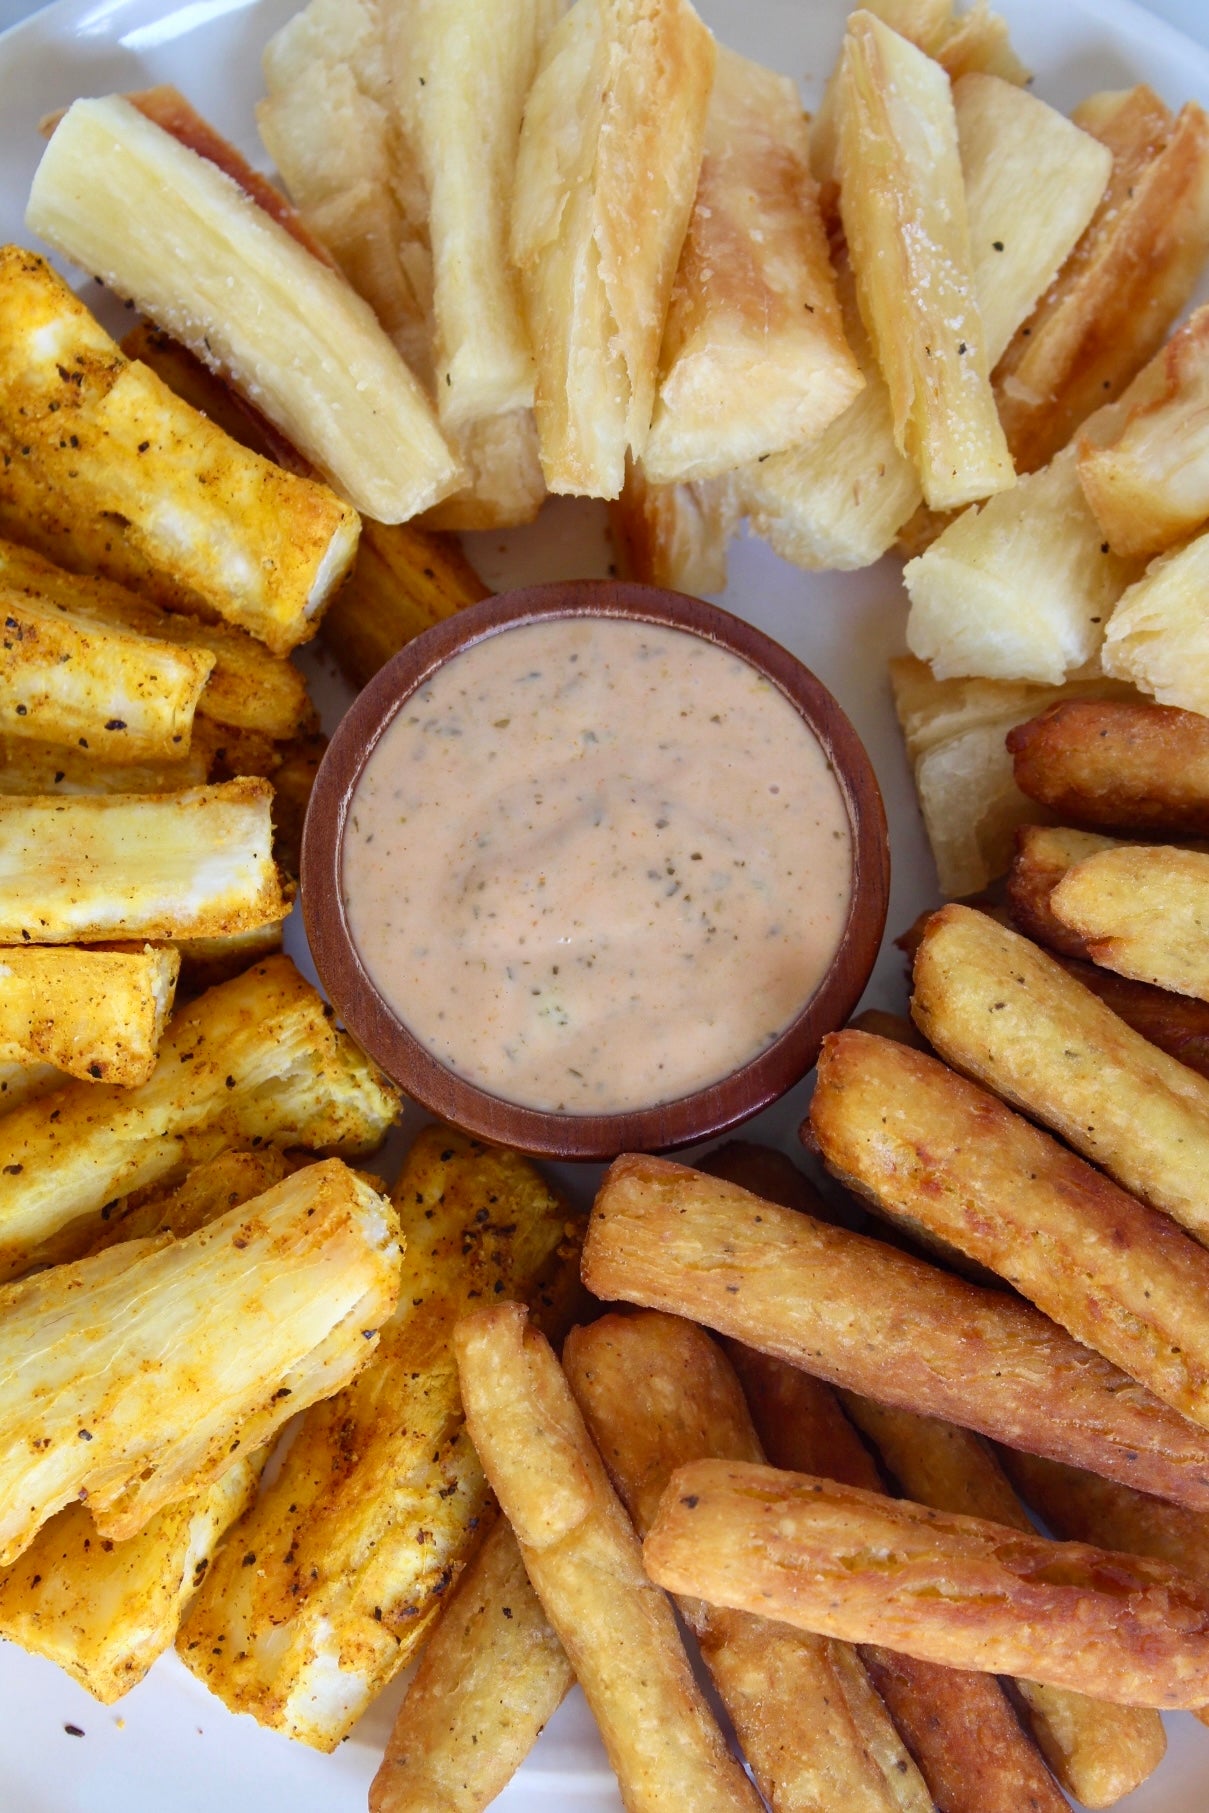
column 47, row 768
column 94, row 1014
column 105, row 470
column 754, row 357
column 112, row 192
column 133, row 1347
column 609, row 157
column 189, row 865
column 1158, row 634
column 255, row 1059
column 676, row 535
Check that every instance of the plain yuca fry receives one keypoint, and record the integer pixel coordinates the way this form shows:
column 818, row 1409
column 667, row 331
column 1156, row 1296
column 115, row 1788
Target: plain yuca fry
column 1098, row 1752
column 1044, row 854
column 1082, row 1507
column 764, row 1171
column 490, row 1676
column 191, row 865
column 955, row 1590
column 95, row 1014
column 247, row 299
column 1155, row 635
column 1140, row 909
column 656, row 1392
column 256, row 1059
column 585, row 1564
column 307, row 1272
column 378, row 1502
column 863, row 1315
column 675, row 535
column 151, row 494
column 1177, row 1024
column 902, row 200
column 28, row 768
column 1117, row 766
column 754, row 357
column 403, row 581
column 610, row 153
column 911, row 1135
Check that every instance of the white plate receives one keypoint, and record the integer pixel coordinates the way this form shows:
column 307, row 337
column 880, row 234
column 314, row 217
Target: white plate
column 169, row 1747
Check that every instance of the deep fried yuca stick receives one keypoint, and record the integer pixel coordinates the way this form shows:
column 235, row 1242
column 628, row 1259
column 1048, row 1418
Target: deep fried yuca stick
column 955, row 1590
column 585, row 1563
column 1044, row 854
column 861, row 1314
column 95, row 1014
column 657, row 1392
column 1141, row 911
column 1114, row 765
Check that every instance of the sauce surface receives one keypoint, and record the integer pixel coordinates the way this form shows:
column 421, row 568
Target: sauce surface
column 594, row 864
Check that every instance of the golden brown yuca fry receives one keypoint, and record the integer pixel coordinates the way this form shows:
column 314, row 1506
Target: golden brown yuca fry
column 95, row 1014
column 1082, row 1507
column 404, row 580
column 490, row 1676
column 307, row 1272
column 955, row 1590
column 247, row 299
column 656, row 1392
column 585, row 1564
column 207, row 961
column 754, row 357
column 902, row 200
column 1110, row 307
column 293, row 781
column 1097, row 1751
column 937, row 1151
column 1140, row 909
column 1117, row 766
column 208, row 1191
column 256, row 1059
column 1044, row 854
column 261, row 547
column 25, row 1083
column 675, row 535
column 378, row 1502
column 193, row 864
column 610, row 152
column 766, row 1172
column 1155, row 635
column 47, row 768
column 860, row 1314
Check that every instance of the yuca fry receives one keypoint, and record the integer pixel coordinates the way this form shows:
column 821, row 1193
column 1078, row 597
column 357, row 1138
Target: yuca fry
column 585, row 1563
column 1114, row 766
column 205, row 962
column 207, row 1192
column 1156, row 633
column 377, row 1504
column 1140, row 910
column 95, row 1014
column 766, row 1172
column 675, row 535
column 1082, row 1507
column 955, row 1590
column 404, row 579
column 29, row 768
column 190, row 865
column 133, row 1346
column 656, row 1392
column 863, row 1315
column 25, row 1083
column 1044, row 854
column 1098, row 1752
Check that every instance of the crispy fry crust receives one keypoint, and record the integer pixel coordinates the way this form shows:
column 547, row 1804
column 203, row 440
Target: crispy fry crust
column 94, row 1014
column 1044, row 854
column 404, row 580
column 1082, row 1507
column 1141, row 910
column 1114, row 766
column 859, row 1313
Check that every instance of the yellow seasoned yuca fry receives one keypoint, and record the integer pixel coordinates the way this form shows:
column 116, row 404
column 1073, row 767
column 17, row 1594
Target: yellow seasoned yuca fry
column 133, row 1346
column 209, row 1190
column 255, row 1059
column 610, row 153
column 193, row 864
column 95, row 1014
column 754, row 357
column 675, row 535
column 1156, row 635
column 108, row 472
column 207, row 961
column 1142, row 910
column 902, row 200
column 29, row 768
column 585, row 1563
column 25, row 1083
column 241, row 293
column 378, row 1501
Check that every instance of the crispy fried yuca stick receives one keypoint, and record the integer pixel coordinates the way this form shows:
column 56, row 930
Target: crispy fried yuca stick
column 1117, row 766
column 675, row 535
column 378, row 1502
column 95, row 1014
column 133, row 1346
column 585, row 1563
column 207, row 1192
column 859, row 1313
column 190, row 865
column 1141, row 910
column 25, row 1083
column 1098, row 1751
column 1044, row 854
column 1156, row 634
column 956, row 1590
column 657, row 1392
column 28, row 768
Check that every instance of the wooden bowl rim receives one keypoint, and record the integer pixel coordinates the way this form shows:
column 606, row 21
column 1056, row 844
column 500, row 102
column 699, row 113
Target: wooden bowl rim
column 453, row 1098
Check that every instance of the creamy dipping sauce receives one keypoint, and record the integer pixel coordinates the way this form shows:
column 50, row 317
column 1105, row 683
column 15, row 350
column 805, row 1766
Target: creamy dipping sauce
column 595, row 864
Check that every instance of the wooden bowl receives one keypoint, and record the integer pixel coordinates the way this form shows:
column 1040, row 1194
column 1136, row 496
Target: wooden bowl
column 453, row 1098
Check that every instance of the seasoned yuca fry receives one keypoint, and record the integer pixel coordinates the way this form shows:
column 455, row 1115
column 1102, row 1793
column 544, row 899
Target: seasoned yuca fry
column 1098, row 1752
column 1117, row 766
column 47, row 768
column 293, row 782
column 404, row 580
column 861, row 1314
column 1044, row 854
column 123, row 479
column 955, row 1590
column 1156, row 635
column 193, row 864
column 1177, row 1024
column 675, row 535
column 208, row 1191
column 207, row 961
column 610, row 152
column 96, row 1014
column 306, row 1272
column 754, row 357
column 1141, row 910
column 379, row 1499
column 256, row 1059
column 1111, row 305
column 656, row 1392
column 25, row 1083
column 585, row 1563
column 902, row 200
column 246, row 298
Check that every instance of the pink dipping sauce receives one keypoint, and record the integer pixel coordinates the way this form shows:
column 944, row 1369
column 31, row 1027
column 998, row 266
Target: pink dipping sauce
column 595, row 864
